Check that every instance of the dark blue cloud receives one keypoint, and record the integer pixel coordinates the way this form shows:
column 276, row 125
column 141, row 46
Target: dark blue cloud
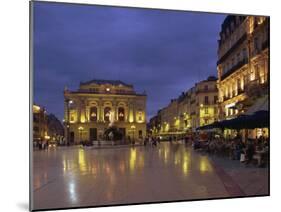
column 159, row 51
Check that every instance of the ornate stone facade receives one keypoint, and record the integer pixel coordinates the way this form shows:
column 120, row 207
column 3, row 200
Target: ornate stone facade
column 242, row 63
column 90, row 110
column 194, row 108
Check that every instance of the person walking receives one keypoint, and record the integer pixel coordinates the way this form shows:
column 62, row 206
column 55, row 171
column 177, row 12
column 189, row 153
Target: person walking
column 145, row 141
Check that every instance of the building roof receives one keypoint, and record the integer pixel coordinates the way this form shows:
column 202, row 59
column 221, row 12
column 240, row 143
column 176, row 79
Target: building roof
column 102, row 82
column 209, row 79
column 212, row 78
column 231, row 18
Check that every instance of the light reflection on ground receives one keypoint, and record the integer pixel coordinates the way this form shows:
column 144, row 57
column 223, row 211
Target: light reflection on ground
column 72, row 176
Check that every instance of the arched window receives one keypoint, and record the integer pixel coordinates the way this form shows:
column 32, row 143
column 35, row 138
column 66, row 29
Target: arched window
column 121, row 114
column 93, row 114
column 107, row 113
column 140, row 116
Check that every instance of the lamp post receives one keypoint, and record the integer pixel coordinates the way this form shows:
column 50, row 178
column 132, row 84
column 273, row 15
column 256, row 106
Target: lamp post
column 67, row 102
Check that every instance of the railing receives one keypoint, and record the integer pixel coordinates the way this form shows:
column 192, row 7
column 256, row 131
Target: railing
column 255, row 89
column 244, row 36
column 210, row 103
column 234, row 68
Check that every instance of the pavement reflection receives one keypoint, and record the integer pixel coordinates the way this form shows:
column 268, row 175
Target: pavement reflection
column 77, row 176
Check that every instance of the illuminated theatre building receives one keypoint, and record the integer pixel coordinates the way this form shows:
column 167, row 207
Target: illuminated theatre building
column 242, row 64
column 91, row 109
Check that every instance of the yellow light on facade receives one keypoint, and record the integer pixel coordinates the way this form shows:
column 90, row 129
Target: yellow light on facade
column 47, row 137
column 133, row 127
column 131, row 117
column 83, row 119
column 36, row 108
column 201, row 105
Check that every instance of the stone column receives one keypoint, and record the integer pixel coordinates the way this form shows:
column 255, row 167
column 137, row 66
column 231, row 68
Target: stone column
column 87, row 112
column 115, row 109
column 100, row 110
column 78, row 109
column 134, row 111
column 266, row 73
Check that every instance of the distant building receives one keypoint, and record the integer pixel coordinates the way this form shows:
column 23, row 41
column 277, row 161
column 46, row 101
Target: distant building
column 39, row 123
column 90, row 110
column 203, row 103
column 242, row 63
column 193, row 108
column 46, row 127
column 55, row 128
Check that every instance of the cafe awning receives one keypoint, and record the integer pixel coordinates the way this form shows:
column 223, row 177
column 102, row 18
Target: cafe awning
column 260, row 119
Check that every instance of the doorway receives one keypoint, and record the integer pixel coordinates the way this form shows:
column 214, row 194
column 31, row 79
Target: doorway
column 93, row 134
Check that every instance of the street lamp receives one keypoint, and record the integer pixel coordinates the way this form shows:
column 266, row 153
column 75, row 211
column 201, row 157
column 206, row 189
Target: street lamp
column 67, row 102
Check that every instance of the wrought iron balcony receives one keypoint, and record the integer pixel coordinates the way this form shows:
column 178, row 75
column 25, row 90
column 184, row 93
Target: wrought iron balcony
column 232, row 49
column 234, row 68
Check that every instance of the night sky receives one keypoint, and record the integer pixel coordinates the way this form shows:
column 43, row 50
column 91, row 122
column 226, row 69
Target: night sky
column 162, row 52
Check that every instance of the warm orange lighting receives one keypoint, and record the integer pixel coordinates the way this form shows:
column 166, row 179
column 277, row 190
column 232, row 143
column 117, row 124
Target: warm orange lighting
column 47, row 137
column 133, row 127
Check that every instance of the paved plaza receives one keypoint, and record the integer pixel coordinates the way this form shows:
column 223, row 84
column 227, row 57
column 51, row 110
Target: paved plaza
column 75, row 176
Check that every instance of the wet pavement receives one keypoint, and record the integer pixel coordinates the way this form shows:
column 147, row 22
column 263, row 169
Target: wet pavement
column 77, row 177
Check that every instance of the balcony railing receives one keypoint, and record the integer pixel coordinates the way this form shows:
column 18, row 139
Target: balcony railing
column 236, row 45
column 234, row 68
column 254, row 88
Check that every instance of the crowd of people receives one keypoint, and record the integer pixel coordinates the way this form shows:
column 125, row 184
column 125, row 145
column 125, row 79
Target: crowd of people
column 253, row 150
